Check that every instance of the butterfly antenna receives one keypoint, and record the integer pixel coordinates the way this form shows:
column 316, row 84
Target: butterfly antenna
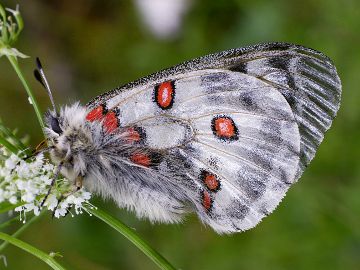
column 40, row 77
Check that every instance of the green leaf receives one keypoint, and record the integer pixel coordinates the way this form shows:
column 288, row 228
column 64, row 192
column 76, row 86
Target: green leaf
column 19, row 231
column 32, row 250
column 133, row 237
column 2, row 13
column 7, row 133
column 8, row 145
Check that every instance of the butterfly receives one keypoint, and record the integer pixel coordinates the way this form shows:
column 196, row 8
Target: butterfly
column 224, row 135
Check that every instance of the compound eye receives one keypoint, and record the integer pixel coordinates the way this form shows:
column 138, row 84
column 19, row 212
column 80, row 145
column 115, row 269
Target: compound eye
column 55, row 126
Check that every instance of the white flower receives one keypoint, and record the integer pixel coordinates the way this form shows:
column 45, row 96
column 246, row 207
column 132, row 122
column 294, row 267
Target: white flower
column 13, row 200
column 28, row 197
column 11, row 162
column 10, row 28
column 51, row 202
column 62, row 209
column 29, row 182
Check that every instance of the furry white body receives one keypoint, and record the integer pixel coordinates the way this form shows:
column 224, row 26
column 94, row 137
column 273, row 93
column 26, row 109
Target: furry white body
column 94, row 156
column 223, row 135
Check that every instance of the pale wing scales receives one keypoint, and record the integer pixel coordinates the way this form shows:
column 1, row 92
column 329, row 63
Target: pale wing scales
column 263, row 89
column 309, row 82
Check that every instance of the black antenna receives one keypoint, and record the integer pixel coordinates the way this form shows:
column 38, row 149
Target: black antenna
column 40, row 76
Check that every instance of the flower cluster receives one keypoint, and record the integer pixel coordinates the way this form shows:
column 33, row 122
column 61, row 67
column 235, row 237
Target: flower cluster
column 27, row 182
column 11, row 24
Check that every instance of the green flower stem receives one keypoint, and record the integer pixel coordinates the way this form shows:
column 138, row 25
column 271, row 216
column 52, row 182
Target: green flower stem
column 32, row 250
column 16, row 67
column 4, row 32
column 8, row 145
column 19, row 231
column 134, row 238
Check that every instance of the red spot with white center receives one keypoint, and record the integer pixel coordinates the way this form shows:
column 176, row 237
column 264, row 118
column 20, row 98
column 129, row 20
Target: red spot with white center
column 206, row 200
column 211, row 181
column 111, row 122
column 164, row 94
column 133, row 135
column 224, row 128
column 141, row 159
column 96, row 114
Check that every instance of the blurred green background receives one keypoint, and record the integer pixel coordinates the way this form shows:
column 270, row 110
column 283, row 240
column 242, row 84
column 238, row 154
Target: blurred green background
column 89, row 47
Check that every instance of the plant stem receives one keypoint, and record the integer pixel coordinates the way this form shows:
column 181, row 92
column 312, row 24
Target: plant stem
column 134, row 238
column 32, row 250
column 16, row 67
column 8, row 145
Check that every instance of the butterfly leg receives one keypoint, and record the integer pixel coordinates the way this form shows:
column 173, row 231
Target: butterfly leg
column 40, row 148
column 79, row 182
column 56, row 175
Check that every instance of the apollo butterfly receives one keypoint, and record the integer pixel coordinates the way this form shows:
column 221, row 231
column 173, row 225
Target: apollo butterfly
column 224, row 135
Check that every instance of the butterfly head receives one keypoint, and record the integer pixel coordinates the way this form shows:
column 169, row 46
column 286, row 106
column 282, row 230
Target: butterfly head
column 66, row 131
column 68, row 135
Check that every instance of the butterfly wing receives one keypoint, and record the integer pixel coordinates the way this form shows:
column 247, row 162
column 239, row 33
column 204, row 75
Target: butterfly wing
column 229, row 132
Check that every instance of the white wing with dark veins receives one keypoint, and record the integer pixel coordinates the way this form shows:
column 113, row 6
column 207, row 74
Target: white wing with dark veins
column 231, row 131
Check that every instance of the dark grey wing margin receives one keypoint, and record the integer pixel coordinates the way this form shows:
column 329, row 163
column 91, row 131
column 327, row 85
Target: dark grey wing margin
column 309, row 82
column 307, row 79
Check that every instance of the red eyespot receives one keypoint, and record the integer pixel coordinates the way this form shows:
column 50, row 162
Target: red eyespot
column 96, row 114
column 164, row 94
column 141, row 159
column 111, row 122
column 210, row 180
column 224, row 128
column 206, row 200
column 133, row 135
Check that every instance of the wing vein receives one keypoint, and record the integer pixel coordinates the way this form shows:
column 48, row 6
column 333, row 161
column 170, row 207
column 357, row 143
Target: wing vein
column 277, row 146
column 240, row 112
column 240, row 158
column 225, row 179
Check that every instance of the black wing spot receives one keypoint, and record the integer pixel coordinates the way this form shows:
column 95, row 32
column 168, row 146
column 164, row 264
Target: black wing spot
column 240, row 67
column 214, row 82
column 247, row 100
column 279, row 62
column 237, row 210
column 254, row 189
column 283, row 63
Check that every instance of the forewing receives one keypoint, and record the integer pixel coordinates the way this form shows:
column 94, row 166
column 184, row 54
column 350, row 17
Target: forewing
column 240, row 125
